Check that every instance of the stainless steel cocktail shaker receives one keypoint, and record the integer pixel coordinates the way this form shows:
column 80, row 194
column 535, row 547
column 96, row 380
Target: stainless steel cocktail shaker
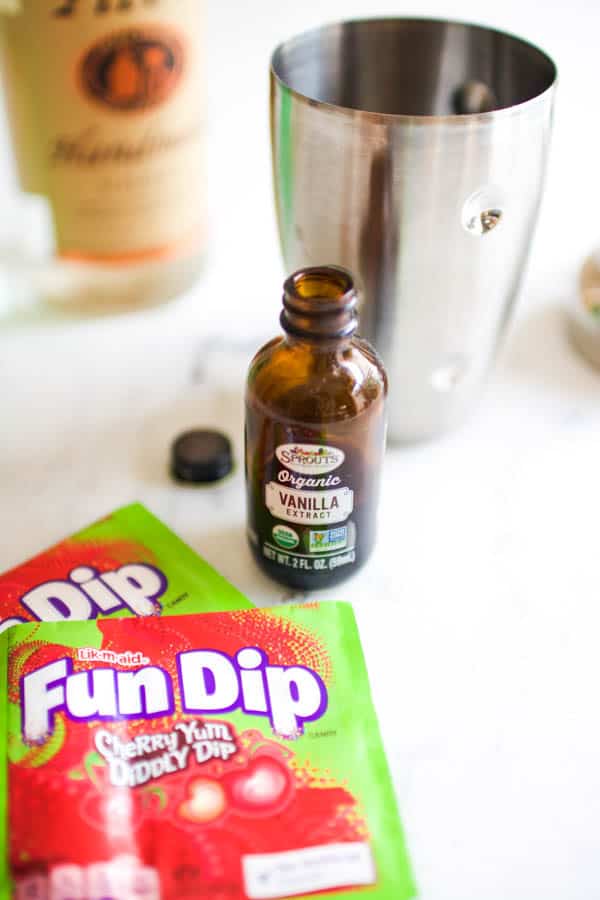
column 413, row 152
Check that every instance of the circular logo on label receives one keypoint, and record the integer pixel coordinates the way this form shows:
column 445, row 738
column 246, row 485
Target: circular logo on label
column 285, row 537
column 310, row 459
column 133, row 70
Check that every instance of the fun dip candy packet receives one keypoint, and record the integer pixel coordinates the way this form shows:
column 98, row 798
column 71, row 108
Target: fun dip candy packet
column 223, row 756
column 128, row 563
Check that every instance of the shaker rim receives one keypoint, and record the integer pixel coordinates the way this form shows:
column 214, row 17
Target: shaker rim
column 413, row 119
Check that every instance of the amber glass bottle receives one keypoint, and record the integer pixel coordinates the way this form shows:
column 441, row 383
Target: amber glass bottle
column 315, row 436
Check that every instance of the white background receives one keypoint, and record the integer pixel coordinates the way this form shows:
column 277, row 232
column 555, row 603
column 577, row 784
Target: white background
column 481, row 607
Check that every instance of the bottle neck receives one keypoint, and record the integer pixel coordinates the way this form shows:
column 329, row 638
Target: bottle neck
column 323, row 346
column 319, row 305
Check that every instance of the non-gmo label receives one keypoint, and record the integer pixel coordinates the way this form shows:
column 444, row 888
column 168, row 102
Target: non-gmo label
column 328, row 540
column 285, row 537
column 310, row 459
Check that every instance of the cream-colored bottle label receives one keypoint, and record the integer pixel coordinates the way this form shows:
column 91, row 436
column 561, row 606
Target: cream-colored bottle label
column 105, row 104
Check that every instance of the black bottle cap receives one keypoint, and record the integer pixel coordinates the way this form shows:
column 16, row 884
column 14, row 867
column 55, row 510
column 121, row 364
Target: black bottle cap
column 201, row 456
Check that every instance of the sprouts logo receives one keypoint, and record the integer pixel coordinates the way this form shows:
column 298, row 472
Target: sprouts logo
column 309, row 459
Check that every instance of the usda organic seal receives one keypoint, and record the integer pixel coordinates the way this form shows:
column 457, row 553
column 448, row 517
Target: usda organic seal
column 285, row 537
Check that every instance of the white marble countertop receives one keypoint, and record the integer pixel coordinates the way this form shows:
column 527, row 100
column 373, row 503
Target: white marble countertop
column 480, row 608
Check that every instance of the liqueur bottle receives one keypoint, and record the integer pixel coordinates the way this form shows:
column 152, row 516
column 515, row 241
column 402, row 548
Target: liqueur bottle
column 315, row 436
column 585, row 315
column 104, row 105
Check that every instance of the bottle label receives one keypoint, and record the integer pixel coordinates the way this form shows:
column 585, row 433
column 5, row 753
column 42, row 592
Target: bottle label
column 104, row 103
column 308, row 490
column 309, row 506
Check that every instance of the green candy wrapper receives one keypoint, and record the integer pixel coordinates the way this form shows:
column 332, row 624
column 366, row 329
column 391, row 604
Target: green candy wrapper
column 224, row 756
column 128, row 563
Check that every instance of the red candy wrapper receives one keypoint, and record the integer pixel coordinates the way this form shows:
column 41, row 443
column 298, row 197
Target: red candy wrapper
column 127, row 564
column 224, row 756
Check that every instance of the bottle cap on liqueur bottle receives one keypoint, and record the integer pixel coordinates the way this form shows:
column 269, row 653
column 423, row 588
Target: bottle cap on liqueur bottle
column 201, row 456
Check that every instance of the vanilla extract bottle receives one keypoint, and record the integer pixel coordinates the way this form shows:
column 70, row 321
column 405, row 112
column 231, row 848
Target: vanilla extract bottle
column 315, row 436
